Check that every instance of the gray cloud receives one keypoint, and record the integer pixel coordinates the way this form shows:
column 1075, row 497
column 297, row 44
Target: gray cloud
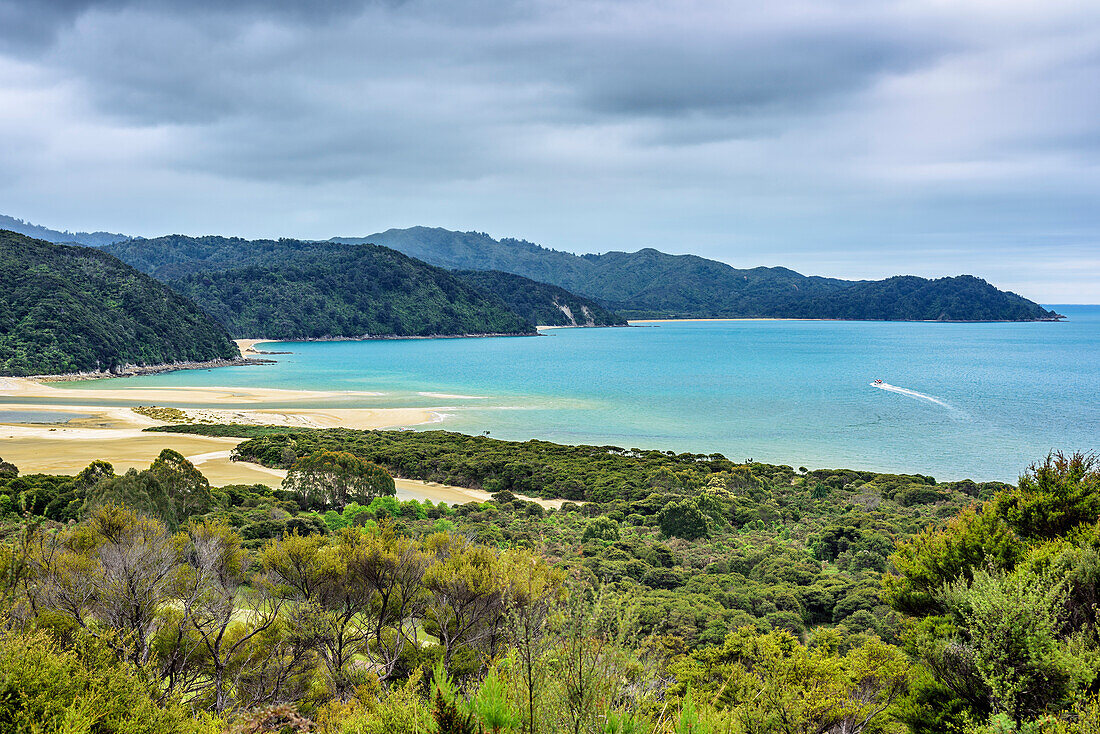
column 822, row 130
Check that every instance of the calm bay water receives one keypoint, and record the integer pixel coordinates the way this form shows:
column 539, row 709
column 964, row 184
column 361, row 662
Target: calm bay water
column 961, row 400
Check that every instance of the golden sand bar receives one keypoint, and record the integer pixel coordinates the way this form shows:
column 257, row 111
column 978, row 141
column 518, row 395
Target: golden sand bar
column 62, row 450
column 114, row 433
column 23, row 388
column 248, row 346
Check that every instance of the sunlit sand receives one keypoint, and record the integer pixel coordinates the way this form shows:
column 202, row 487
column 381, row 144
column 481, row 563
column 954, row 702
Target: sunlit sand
column 115, row 433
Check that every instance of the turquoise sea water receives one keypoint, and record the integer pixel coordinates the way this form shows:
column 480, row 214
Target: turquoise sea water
column 962, row 400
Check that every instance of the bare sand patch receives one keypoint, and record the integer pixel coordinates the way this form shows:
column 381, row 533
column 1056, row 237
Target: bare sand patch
column 358, row 418
column 91, row 417
column 248, row 346
column 410, row 489
column 23, row 388
column 67, row 452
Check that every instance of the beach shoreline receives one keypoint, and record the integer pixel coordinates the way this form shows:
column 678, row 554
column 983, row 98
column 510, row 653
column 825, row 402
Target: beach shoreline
column 132, row 370
column 114, row 431
column 117, row 435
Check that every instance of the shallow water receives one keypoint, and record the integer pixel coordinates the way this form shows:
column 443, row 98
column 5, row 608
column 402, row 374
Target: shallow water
column 38, row 417
column 959, row 400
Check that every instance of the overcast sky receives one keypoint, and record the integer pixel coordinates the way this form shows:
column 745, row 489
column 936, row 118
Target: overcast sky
column 845, row 138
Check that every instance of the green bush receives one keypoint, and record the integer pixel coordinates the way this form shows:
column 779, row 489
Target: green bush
column 85, row 689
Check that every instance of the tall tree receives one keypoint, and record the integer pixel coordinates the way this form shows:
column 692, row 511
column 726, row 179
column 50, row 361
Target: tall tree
column 467, row 592
column 329, row 480
column 119, row 569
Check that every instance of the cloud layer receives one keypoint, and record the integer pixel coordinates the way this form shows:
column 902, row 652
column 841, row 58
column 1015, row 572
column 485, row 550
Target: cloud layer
column 850, row 138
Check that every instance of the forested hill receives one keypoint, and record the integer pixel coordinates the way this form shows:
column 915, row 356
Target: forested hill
column 540, row 303
column 653, row 283
column 72, row 309
column 91, row 239
column 290, row 289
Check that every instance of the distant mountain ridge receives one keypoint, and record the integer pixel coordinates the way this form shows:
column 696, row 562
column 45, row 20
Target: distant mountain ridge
column 646, row 283
column 74, row 309
column 90, row 239
column 294, row 289
column 650, row 283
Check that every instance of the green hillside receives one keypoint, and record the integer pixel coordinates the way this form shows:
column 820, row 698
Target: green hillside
column 71, row 309
column 540, row 303
column 963, row 298
column 289, row 289
column 653, row 283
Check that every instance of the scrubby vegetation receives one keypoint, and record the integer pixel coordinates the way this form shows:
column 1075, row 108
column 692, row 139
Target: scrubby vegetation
column 71, row 309
column 704, row 596
column 590, row 473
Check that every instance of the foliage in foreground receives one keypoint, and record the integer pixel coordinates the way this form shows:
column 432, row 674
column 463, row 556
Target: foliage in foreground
column 409, row 617
column 46, row 686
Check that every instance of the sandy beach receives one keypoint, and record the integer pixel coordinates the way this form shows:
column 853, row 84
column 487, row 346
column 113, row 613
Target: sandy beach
column 248, row 346
column 115, row 433
column 24, row 388
column 68, row 448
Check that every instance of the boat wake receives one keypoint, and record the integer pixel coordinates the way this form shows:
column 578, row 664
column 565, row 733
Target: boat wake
column 910, row 393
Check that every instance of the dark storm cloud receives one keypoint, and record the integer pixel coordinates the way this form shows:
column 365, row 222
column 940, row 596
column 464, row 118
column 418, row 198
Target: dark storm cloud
column 712, row 125
column 170, row 63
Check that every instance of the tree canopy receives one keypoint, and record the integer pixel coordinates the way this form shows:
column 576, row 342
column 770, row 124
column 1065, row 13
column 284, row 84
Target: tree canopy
column 288, row 289
column 327, row 480
column 649, row 283
column 70, row 309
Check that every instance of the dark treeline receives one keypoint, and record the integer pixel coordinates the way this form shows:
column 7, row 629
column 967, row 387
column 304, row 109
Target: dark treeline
column 71, row 309
column 546, row 469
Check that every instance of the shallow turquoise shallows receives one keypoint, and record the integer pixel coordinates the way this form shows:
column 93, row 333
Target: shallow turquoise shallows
column 958, row 400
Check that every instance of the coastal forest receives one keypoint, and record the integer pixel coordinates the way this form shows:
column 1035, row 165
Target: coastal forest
column 73, row 309
column 667, row 593
column 649, row 283
column 357, row 292
column 292, row 289
column 540, row 303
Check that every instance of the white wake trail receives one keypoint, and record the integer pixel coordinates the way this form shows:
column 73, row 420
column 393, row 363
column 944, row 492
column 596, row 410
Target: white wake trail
column 911, row 393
